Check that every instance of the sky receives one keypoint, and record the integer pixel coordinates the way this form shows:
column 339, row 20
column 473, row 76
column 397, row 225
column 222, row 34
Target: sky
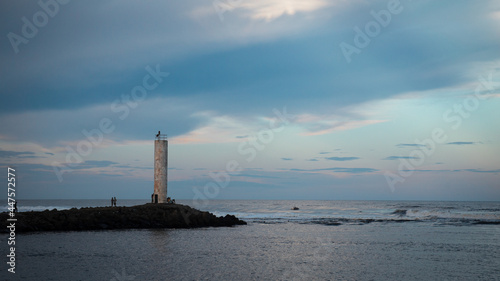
column 261, row 99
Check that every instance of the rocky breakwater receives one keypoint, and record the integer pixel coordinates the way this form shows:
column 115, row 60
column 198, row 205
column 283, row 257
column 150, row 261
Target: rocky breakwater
column 142, row 216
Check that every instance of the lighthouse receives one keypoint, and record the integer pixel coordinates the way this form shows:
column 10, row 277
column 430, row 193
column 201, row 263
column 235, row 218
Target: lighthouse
column 161, row 168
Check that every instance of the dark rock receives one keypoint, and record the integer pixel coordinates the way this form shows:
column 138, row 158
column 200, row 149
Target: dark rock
column 142, row 216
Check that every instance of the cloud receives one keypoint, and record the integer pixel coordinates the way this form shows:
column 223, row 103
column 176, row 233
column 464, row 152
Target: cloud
column 89, row 164
column 127, row 166
column 244, row 56
column 167, row 37
column 58, row 127
column 339, row 170
column 31, row 156
column 262, row 175
column 482, row 171
column 461, row 143
column 217, row 128
column 400, row 157
column 455, row 171
column 257, row 10
column 286, row 159
column 313, row 159
column 172, row 168
column 229, row 128
column 269, row 10
column 430, row 171
column 410, row 145
column 18, row 154
column 342, row 158
column 225, row 76
column 320, row 125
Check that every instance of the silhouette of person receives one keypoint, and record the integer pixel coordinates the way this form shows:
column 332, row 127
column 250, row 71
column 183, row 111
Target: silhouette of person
column 112, row 201
column 115, row 201
column 157, row 135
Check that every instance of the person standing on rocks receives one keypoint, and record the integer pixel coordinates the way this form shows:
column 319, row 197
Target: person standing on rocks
column 115, row 201
column 112, row 201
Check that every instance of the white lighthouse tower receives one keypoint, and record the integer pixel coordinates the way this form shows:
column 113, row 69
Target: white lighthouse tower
column 161, row 168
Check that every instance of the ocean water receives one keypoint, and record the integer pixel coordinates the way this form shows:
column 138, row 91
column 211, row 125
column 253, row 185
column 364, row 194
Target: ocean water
column 323, row 240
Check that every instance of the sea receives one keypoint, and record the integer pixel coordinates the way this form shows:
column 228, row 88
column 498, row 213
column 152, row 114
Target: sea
column 322, row 240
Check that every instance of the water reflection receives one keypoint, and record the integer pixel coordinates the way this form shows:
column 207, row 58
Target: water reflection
column 159, row 239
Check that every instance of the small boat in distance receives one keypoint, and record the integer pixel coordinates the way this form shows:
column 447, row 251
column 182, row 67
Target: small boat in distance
column 295, row 208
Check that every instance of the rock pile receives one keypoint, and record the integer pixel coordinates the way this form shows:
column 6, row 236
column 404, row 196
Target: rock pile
column 142, row 216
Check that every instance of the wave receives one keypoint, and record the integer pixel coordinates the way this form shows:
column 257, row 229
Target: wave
column 409, row 206
column 363, row 221
column 400, row 212
column 487, row 210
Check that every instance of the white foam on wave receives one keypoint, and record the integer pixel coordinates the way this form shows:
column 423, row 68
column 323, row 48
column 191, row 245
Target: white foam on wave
column 444, row 214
